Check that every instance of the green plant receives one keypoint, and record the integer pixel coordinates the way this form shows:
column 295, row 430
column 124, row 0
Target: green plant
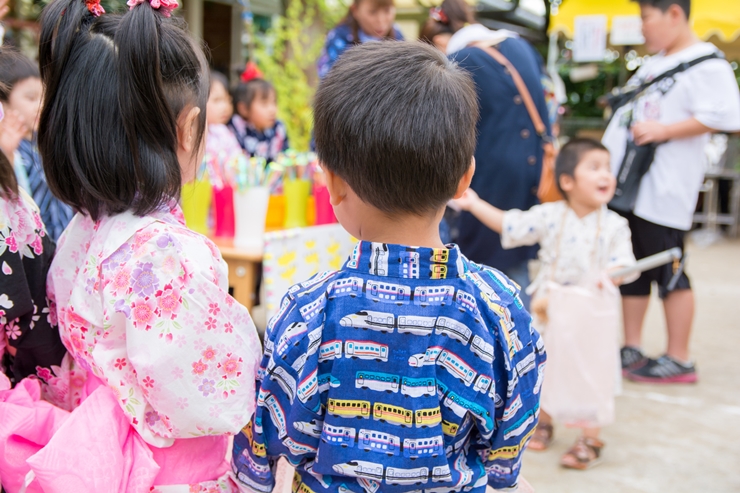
column 287, row 56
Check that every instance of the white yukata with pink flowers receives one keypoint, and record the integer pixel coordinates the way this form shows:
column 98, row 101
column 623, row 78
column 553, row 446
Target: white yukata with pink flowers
column 144, row 311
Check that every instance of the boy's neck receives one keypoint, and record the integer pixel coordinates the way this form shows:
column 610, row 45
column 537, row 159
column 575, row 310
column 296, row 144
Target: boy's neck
column 581, row 210
column 685, row 40
column 407, row 230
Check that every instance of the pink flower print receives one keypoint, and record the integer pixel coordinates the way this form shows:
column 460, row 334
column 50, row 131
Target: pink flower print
column 181, row 341
column 208, row 387
column 12, row 243
column 142, row 237
column 143, row 281
column 169, row 301
column 39, row 224
column 228, row 328
column 177, row 373
column 209, row 353
column 229, row 300
column 169, row 264
column 7, row 270
column 182, row 402
column 143, row 312
column 214, row 411
column 52, row 316
column 213, row 309
column 120, row 363
column 44, row 373
column 231, row 366
column 38, row 247
column 77, row 343
column 148, row 382
column 211, row 323
column 199, row 367
column 121, row 280
column 12, row 331
column 151, row 418
column 199, row 345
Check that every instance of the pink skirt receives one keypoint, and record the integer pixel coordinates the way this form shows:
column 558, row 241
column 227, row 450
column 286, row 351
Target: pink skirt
column 94, row 448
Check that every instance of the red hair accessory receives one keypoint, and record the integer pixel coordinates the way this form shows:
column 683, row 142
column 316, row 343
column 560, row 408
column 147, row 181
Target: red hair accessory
column 166, row 6
column 251, row 72
column 439, row 15
column 94, row 7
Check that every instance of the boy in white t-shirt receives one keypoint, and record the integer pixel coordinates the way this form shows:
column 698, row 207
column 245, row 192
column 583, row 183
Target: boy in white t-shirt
column 679, row 113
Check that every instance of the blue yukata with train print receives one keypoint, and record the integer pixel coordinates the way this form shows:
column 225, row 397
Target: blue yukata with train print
column 410, row 369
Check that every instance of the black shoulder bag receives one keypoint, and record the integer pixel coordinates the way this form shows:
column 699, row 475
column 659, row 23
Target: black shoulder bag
column 637, row 159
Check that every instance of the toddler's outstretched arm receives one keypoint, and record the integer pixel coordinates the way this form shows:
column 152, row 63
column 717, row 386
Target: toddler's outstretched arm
column 489, row 215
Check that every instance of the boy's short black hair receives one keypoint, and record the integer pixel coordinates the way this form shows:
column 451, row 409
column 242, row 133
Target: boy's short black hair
column 571, row 155
column 397, row 122
column 665, row 4
column 14, row 67
column 247, row 92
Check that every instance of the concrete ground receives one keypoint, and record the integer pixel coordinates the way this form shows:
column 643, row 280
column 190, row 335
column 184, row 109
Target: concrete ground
column 676, row 438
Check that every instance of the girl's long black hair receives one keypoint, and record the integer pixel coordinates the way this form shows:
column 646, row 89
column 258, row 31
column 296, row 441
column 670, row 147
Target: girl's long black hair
column 115, row 86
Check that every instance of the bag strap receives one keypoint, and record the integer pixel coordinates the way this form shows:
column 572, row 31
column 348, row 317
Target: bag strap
column 682, row 67
column 521, row 86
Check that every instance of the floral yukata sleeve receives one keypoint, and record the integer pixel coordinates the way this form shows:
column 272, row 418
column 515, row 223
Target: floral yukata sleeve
column 152, row 317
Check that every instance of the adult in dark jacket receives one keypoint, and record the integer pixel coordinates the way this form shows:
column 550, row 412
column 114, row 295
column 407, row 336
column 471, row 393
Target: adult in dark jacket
column 509, row 152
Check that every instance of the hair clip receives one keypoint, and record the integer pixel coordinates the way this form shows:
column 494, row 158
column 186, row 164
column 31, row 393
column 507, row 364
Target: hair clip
column 165, row 6
column 439, row 15
column 251, row 72
column 94, row 7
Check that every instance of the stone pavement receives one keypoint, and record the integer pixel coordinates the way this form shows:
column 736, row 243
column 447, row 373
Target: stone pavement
column 676, row 438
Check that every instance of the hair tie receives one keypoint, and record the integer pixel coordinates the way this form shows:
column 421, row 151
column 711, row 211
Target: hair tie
column 251, row 72
column 94, row 7
column 439, row 15
column 165, row 6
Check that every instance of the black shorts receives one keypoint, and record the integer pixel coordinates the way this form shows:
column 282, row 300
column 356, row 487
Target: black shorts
column 648, row 239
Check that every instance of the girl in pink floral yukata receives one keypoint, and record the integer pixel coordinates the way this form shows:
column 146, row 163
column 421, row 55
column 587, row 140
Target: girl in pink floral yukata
column 161, row 360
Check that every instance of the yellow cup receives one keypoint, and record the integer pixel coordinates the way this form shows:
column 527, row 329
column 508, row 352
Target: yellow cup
column 196, row 204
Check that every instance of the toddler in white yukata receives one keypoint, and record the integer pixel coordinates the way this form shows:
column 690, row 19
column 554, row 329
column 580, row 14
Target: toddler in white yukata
column 580, row 242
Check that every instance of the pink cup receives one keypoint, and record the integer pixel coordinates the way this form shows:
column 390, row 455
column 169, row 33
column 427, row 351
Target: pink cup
column 324, row 209
column 223, row 212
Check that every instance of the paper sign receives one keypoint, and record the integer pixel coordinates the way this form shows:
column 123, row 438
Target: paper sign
column 589, row 40
column 294, row 255
column 626, row 30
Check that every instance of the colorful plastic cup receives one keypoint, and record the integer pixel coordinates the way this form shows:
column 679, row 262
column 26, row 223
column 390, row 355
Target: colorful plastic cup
column 196, row 204
column 250, row 208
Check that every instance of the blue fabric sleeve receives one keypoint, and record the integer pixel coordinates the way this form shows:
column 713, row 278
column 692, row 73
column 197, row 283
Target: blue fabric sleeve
column 518, row 363
column 282, row 425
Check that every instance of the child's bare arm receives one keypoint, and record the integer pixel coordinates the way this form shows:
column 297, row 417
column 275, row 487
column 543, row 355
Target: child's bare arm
column 489, row 215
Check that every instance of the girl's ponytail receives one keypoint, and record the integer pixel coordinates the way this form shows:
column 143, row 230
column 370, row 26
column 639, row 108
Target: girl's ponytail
column 115, row 86
column 149, row 121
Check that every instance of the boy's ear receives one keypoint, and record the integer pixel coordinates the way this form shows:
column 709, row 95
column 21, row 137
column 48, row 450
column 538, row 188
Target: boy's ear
column 337, row 187
column 677, row 14
column 464, row 183
column 567, row 182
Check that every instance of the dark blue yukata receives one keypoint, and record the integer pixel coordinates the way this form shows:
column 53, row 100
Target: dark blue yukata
column 409, row 369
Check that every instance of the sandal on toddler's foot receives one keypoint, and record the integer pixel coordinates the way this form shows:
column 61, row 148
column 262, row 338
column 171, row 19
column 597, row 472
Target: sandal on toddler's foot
column 585, row 453
column 542, row 437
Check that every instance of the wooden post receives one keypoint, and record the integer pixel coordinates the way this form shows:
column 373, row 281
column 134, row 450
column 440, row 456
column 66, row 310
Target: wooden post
column 194, row 16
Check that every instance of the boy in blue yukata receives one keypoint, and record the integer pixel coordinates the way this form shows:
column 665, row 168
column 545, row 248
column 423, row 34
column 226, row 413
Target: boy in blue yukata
column 411, row 368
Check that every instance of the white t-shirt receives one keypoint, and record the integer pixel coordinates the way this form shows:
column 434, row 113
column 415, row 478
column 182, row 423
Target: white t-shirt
column 708, row 92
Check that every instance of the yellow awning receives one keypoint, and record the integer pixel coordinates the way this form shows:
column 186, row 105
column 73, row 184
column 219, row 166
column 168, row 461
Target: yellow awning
column 708, row 17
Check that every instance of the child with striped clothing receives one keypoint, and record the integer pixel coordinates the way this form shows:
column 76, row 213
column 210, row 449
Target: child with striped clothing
column 411, row 367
